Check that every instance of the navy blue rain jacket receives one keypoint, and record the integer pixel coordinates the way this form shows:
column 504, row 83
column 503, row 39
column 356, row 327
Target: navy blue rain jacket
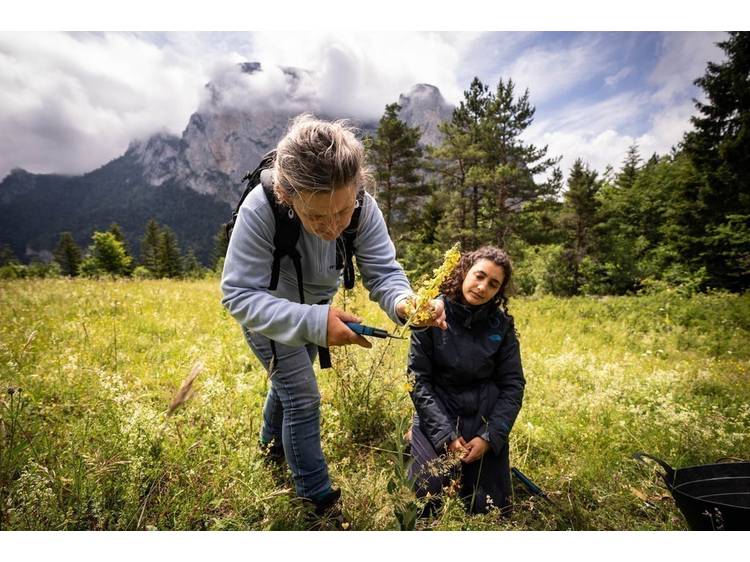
column 467, row 380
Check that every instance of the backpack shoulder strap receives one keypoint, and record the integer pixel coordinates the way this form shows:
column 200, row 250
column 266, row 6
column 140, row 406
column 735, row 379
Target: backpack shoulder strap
column 345, row 250
column 286, row 235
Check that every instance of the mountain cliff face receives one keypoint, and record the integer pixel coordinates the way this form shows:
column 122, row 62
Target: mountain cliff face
column 191, row 182
column 423, row 106
column 220, row 143
column 227, row 137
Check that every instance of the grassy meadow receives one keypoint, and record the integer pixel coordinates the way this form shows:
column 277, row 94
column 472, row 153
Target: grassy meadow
column 88, row 370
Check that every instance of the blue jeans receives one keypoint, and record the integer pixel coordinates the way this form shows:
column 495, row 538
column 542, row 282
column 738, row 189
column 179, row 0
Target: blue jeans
column 291, row 414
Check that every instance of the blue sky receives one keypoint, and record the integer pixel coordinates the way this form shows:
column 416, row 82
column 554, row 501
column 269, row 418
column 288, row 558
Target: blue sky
column 70, row 102
column 597, row 92
column 562, row 68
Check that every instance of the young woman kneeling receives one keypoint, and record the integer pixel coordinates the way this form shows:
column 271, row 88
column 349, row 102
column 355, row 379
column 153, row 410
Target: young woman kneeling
column 468, row 387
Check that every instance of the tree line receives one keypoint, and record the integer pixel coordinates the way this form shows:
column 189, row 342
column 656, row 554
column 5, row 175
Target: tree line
column 109, row 255
column 678, row 220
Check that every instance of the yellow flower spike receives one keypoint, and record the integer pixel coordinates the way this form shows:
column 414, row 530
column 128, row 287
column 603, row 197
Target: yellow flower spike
column 418, row 309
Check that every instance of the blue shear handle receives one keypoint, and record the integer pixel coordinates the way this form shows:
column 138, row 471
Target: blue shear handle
column 359, row 329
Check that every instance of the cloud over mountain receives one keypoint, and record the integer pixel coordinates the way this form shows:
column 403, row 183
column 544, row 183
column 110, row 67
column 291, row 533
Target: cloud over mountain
column 70, row 102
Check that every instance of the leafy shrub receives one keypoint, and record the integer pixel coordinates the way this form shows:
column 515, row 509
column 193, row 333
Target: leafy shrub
column 142, row 272
column 14, row 271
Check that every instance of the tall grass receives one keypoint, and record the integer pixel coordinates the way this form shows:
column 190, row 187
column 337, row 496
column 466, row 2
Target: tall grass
column 86, row 441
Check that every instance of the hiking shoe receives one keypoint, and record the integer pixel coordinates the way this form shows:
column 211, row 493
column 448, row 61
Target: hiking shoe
column 326, row 514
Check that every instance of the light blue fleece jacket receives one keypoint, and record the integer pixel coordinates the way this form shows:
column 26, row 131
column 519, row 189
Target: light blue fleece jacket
column 278, row 315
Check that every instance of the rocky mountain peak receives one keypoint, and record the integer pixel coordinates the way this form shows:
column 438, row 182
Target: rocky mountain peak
column 424, row 106
column 424, row 91
column 158, row 156
column 246, row 111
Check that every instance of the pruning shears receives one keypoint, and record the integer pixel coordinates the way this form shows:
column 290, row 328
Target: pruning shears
column 363, row 330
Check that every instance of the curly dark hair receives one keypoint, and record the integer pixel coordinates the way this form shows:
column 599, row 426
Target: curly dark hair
column 451, row 287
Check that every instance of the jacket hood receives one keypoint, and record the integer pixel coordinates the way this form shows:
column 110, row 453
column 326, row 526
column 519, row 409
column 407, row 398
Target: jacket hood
column 469, row 315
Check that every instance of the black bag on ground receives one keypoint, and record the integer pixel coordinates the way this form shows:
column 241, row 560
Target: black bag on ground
column 712, row 497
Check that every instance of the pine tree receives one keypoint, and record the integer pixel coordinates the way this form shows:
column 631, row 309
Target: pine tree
column 107, row 255
column 68, row 255
column 579, row 216
column 117, row 232
column 487, row 168
column 720, row 150
column 420, row 252
column 119, row 235
column 627, row 174
column 191, row 266
column 169, row 259
column 150, row 247
column 539, row 222
column 7, row 257
column 456, row 158
column 513, row 164
column 645, row 232
column 395, row 153
column 629, row 214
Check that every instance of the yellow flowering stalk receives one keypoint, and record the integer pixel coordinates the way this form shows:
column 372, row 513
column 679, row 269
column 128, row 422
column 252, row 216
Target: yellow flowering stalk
column 418, row 308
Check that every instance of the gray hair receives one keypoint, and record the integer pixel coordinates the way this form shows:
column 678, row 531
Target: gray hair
column 318, row 156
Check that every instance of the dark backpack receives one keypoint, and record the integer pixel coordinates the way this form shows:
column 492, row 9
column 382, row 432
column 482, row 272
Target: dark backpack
column 287, row 233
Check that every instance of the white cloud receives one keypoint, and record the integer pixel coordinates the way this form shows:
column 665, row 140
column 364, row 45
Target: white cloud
column 70, row 102
column 592, row 132
column 361, row 72
column 609, row 146
column 667, row 128
column 623, row 110
column 618, row 76
column 683, row 59
column 550, row 70
column 656, row 119
column 599, row 150
column 600, row 133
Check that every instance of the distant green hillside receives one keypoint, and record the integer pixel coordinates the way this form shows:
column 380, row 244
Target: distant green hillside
column 36, row 208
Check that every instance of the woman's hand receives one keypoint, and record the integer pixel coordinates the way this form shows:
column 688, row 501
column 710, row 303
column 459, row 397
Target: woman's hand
column 339, row 333
column 459, row 447
column 477, row 447
column 438, row 314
